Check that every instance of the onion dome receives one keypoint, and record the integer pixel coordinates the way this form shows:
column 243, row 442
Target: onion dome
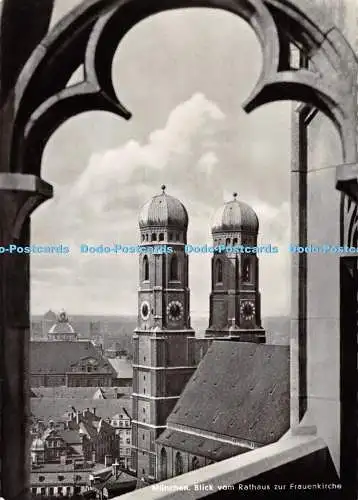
column 236, row 216
column 163, row 210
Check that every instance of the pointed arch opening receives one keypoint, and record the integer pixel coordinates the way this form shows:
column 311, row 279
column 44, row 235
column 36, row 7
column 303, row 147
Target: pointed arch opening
column 174, row 268
column 195, row 463
column 145, row 268
column 218, row 271
column 163, row 464
column 179, row 466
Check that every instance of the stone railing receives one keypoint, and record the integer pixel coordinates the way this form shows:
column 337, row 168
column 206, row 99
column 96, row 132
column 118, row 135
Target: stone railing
column 226, row 475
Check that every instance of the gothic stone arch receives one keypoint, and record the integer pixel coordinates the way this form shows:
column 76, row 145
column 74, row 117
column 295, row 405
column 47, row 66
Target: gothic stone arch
column 34, row 103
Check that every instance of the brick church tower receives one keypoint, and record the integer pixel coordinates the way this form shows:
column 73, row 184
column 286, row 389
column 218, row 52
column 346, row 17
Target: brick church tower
column 235, row 297
column 161, row 364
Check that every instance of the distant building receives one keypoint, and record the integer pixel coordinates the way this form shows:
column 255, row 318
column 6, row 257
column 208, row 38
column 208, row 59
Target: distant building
column 62, row 329
column 48, row 320
column 59, row 479
column 116, row 351
column 57, row 446
column 111, row 481
column 122, row 422
column 68, row 363
column 99, row 437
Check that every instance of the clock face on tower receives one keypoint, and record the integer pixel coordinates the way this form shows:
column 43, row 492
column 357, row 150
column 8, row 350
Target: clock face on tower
column 247, row 309
column 175, row 310
column 144, row 310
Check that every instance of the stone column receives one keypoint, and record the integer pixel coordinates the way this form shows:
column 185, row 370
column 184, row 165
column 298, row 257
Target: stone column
column 19, row 196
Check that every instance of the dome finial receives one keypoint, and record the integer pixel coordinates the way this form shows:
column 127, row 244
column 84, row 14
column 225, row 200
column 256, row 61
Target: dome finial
column 163, row 188
column 234, row 195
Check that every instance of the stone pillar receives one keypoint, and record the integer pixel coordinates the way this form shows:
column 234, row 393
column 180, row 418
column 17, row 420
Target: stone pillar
column 19, row 196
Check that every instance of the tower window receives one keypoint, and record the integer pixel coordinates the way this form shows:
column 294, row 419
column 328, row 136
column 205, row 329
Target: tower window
column 234, row 241
column 173, row 273
column 246, row 271
column 227, row 242
column 145, row 268
column 154, row 237
column 170, row 237
column 178, row 237
column 194, row 463
column 161, row 237
column 146, row 237
column 143, row 237
column 219, row 271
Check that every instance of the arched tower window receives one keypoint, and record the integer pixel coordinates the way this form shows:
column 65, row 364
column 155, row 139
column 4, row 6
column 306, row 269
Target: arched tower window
column 154, row 237
column 194, row 463
column 173, row 273
column 227, row 242
column 163, row 464
column 246, row 271
column 218, row 271
column 161, row 237
column 179, row 469
column 145, row 268
column 234, row 241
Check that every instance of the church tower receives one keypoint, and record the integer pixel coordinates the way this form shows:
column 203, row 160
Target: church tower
column 161, row 364
column 235, row 297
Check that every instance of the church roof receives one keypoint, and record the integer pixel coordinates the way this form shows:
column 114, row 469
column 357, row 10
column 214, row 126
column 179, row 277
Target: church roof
column 240, row 390
column 163, row 210
column 235, row 215
column 56, row 357
column 47, row 408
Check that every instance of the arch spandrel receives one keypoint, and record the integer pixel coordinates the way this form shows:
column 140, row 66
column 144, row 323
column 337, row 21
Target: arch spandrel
column 91, row 33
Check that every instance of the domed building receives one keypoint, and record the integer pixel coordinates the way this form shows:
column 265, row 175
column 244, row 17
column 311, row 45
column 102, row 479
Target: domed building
column 235, row 306
column 62, row 329
column 37, row 451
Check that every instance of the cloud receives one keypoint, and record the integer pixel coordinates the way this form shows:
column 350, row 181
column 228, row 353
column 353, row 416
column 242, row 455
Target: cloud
column 101, row 206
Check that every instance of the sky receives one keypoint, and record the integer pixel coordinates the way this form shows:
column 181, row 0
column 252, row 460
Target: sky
column 184, row 75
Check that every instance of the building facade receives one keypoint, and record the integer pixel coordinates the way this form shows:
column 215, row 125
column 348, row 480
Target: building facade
column 161, row 364
column 235, row 306
column 122, row 423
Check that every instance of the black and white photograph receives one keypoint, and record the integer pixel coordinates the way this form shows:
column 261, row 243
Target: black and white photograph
column 179, row 249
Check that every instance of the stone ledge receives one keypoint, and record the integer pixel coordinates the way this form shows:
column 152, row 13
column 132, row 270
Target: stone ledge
column 233, row 470
column 347, row 180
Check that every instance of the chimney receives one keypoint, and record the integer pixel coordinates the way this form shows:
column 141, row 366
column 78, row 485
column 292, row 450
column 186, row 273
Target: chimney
column 107, row 460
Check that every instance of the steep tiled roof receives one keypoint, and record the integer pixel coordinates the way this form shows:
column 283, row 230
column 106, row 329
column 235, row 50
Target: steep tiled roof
column 55, row 408
column 200, row 446
column 69, row 436
column 56, row 357
column 240, row 390
column 79, row 392
column 123, row 367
